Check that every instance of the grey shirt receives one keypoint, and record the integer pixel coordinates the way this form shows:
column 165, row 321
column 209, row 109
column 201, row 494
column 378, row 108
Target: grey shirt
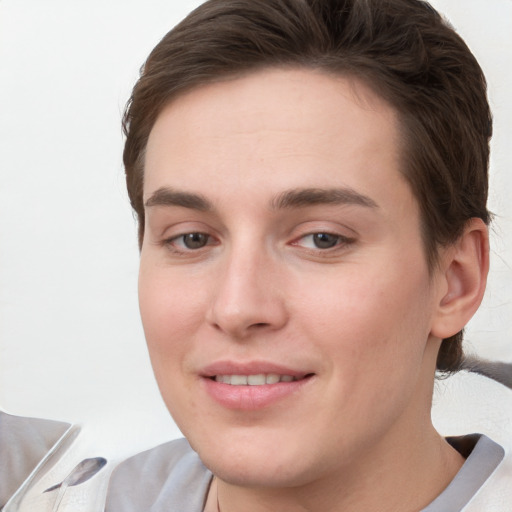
column 24, row 442
column 171, row 478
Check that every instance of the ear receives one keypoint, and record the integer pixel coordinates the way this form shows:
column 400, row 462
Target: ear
column 463, row 276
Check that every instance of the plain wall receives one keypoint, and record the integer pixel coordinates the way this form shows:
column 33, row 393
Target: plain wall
column 71, row 342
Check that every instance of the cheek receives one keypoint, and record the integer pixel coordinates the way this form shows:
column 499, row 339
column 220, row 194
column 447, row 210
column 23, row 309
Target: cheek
column 170, row 312
column 372, row 334
column 170, row 315
column 374, row 320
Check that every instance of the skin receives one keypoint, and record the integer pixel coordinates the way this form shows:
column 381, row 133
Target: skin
column 363, row 318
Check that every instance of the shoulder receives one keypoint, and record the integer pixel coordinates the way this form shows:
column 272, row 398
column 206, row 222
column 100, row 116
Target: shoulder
column 475, row 486
column 471, row 402
column 24, row 442
column 496, row 492
column 170, row 474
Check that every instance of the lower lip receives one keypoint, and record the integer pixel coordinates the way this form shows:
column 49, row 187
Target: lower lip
column 250, row 398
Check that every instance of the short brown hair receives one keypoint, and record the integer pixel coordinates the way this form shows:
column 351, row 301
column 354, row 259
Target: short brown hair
column 403, row 49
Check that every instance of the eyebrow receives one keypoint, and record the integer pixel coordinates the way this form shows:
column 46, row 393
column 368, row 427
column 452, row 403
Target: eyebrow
column 302, row 197
column 170, row 197
column 289, row 199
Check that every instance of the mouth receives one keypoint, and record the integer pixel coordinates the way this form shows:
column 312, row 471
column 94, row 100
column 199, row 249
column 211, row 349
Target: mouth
column 259, row 379
column 254, row 386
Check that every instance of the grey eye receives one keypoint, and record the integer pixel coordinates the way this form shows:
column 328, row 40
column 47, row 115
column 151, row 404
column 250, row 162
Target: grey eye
column 325, row 240
column 195, row 240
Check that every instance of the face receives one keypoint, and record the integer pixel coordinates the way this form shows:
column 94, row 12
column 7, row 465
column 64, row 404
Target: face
column 283, row 286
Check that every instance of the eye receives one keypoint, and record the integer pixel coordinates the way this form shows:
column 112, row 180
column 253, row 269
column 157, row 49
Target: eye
column 322, row 241
column 325, row 240
column 195, row 240
column 189, row 241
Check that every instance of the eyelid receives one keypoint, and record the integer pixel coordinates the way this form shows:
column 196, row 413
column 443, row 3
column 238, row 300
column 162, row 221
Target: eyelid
column 169, row 235
column 170, row 242
column 169, row 227
column 327, row 226
column 344, row 240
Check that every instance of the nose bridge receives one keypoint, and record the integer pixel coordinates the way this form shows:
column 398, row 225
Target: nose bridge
column 247, row 296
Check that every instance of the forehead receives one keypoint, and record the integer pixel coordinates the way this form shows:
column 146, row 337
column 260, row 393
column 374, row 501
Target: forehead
column 290, row 127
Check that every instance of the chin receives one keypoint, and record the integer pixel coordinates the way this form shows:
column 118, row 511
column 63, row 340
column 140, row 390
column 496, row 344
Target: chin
column 267, row 474
column 255, row 462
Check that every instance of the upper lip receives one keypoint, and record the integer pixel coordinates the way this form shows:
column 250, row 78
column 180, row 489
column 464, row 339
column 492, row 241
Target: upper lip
column 250, row 368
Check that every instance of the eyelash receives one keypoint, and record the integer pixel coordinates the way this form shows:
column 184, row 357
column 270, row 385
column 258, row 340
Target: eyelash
column 340, row 242
column 170, row 243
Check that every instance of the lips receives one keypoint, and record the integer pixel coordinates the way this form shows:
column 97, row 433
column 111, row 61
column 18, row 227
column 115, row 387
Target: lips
column 251, row 386
column 250, row 368
column 259, row 379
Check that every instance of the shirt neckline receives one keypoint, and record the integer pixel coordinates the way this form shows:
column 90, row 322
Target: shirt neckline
column 483, row 456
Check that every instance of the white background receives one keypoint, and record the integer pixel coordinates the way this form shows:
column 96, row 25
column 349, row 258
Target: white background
column 71, row 343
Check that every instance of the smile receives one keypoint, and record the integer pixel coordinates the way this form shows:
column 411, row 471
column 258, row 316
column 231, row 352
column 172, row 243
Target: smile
column 259, row 379
column 250, row 391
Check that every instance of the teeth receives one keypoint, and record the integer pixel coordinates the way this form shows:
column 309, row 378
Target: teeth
column 238, row 380
column 254, row 380
column 272, row 378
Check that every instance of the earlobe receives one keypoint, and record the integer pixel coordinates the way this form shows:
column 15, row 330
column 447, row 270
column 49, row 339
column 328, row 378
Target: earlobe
column 465, row 265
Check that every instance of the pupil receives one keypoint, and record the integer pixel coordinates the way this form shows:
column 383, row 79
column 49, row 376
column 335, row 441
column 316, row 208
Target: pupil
column 195, row 240
column 325, row 240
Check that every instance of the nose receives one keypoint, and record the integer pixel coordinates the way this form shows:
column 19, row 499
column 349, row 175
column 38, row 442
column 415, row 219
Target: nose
column 248, row 296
